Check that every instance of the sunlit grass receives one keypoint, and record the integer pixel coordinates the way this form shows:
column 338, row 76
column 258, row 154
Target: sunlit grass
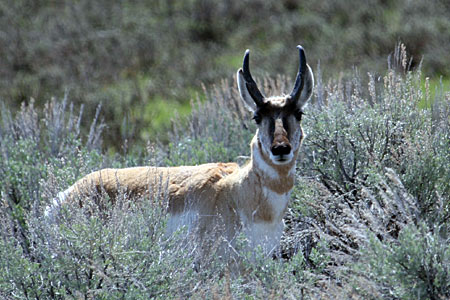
column 432, row 88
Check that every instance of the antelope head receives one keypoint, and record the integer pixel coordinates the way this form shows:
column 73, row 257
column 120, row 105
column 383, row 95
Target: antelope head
column 278, row 117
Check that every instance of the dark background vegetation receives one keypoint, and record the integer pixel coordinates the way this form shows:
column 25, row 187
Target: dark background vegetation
column 370, row 212
column 144, row 60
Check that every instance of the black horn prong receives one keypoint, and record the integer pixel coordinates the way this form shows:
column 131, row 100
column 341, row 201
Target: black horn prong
column 249, row 82
column 300, row 80
column 246, row 67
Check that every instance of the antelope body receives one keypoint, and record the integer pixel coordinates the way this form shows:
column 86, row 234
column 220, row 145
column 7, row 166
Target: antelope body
column 219, row 200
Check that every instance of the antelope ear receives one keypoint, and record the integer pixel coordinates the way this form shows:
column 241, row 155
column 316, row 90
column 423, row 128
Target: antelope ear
column 308, row 86
column 243, row 91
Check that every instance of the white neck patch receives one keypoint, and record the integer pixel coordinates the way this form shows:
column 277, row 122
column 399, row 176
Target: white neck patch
column 267, row 169
column 262, row 165
column 277, row 202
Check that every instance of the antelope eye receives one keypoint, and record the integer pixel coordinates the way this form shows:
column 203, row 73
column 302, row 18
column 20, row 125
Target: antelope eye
column 298, row 114
column 257, row 118
column 271, row 126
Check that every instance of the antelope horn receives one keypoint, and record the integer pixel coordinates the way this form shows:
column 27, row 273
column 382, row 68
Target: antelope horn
column 300, row 80
column 250, row 83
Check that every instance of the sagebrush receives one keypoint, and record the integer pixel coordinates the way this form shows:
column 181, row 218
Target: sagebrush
column 369, row 218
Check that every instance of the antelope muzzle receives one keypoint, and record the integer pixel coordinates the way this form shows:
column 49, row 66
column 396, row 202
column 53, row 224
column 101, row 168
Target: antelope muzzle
column 281, row 148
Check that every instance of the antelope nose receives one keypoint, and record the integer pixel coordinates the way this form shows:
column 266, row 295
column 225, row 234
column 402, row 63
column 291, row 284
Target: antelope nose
column 281, row 149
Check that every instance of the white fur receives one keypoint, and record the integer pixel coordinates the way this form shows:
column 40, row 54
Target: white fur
column 277, row 201
column 52, row 210
column 268, row 170
column 188, row 218
column 287, row 158
column 305, row 94
column 277, row 101
column 266, row 235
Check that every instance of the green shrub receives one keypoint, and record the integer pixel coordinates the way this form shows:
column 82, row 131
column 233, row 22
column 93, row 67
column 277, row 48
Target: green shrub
column 416, row 266
column 376, row 163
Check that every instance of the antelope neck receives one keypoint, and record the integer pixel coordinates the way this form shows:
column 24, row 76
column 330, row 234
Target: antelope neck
column 278, row 178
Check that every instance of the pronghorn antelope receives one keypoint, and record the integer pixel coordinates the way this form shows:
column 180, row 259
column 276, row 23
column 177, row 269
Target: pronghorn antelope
column 220, row 200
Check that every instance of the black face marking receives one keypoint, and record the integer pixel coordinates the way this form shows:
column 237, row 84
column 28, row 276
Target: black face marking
column 286, row 124
column 271, row 126
column 257, row 117
column 268, row 113
column 284, row 113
